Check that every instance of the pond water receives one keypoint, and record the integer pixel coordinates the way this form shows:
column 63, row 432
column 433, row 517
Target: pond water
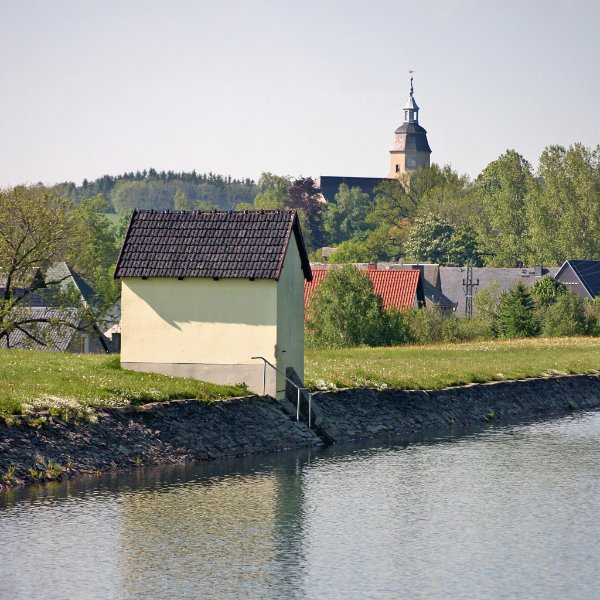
column 505, row 512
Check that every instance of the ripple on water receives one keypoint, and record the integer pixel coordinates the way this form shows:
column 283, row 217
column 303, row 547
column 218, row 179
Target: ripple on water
column 508, row 512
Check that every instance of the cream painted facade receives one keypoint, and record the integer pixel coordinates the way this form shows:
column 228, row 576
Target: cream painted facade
column 210, row 330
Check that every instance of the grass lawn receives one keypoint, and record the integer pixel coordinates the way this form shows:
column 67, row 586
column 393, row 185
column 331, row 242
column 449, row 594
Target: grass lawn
column 442, row 365
column 93, row 379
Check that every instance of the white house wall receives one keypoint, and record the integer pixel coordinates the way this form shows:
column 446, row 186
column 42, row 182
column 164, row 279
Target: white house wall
column 200, row 328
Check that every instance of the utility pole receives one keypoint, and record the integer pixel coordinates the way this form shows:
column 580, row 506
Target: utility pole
column 468, row 286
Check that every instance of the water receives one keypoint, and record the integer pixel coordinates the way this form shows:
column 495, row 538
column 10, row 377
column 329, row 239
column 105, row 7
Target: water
column 508, row 512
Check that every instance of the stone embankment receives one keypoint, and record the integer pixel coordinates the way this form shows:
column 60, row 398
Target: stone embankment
column 187, row 430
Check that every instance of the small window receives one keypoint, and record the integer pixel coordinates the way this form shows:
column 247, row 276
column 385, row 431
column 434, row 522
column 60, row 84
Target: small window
column 397, row 168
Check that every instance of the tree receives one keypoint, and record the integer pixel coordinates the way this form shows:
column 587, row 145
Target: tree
column 305, row 197
column 433, row 239
column 181, row 201
column 344, row 311
column 516, row 316
column 564, row 216
column 395, row 203
column 36, row 228
column 505, row 186
column 429, row 240
column 272, row 192
column 348, row 215
column 380, row 244
column 443, row 192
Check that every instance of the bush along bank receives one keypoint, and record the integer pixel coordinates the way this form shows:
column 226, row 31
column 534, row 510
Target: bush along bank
column 184, row 430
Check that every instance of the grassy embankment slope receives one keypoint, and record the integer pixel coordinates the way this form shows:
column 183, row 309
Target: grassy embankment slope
column 443, row 365
column 93, row 379
column 97, row 380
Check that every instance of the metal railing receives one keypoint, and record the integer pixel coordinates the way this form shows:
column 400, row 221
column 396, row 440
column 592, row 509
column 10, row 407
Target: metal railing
column 298, row 387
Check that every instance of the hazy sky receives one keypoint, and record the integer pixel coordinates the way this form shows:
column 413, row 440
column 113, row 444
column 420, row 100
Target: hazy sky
column 94, row 87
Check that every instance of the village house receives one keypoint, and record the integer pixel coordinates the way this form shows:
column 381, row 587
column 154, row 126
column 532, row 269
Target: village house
column 54, row 314
column 397, row 288
column 582, row 277
column 453, row 280
column 205, row 292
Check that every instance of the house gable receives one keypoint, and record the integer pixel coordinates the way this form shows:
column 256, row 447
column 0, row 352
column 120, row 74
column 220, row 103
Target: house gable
column 581, row 276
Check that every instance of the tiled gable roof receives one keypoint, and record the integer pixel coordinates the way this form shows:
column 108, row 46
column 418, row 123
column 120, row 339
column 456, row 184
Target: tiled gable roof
column 397, row 289
column 212, row 244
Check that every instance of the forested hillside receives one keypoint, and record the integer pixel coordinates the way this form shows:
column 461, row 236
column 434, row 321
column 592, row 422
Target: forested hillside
column 162, row 191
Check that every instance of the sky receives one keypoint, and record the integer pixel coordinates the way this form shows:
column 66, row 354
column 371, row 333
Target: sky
column 299, row 88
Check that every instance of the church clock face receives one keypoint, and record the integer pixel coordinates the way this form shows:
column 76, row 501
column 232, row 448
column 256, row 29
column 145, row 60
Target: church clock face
column 411, row 163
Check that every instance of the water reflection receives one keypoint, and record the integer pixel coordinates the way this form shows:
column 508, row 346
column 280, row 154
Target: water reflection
column 506, row 512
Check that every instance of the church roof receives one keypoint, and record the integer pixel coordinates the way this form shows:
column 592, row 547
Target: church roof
column 411, row 137
column 330, row 185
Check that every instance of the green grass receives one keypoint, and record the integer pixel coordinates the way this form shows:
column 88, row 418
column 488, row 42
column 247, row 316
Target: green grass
column 98, row 380
column 92, row 379
column 442, row 365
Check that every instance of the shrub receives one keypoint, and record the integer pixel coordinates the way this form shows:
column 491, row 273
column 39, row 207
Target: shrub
column 592, row 314
column 564, row 317
column 425, row 326
column 485, row 304
column 475, row 329
column 547, row 290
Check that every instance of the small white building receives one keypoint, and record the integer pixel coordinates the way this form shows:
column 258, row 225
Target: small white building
column 203, row 292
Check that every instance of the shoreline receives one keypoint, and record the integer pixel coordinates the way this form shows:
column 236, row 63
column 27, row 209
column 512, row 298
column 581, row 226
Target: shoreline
column 190, row 430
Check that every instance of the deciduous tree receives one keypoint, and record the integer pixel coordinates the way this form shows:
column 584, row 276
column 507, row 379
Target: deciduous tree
column 506, row 186
column 36, row 228
column 348, row 215
column 564, row 216
column 344, row 311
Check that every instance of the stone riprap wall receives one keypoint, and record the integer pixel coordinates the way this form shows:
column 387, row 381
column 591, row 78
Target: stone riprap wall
column 153, row 434
column 185, row 430
column 363, row 413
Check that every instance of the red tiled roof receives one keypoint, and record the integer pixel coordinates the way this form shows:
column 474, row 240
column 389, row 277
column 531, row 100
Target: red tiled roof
column 397, row 289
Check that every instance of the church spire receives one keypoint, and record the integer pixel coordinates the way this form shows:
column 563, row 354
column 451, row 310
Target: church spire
column 410, row 149
column 411, row 110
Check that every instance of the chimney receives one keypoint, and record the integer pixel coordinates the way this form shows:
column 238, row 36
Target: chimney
column 539, row 270
column 372, row 266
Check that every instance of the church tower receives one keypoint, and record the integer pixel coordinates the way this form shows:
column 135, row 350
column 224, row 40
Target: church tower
column 410, row 148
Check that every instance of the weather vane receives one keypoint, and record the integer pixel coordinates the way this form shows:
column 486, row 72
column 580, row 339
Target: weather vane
column 411, row 83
